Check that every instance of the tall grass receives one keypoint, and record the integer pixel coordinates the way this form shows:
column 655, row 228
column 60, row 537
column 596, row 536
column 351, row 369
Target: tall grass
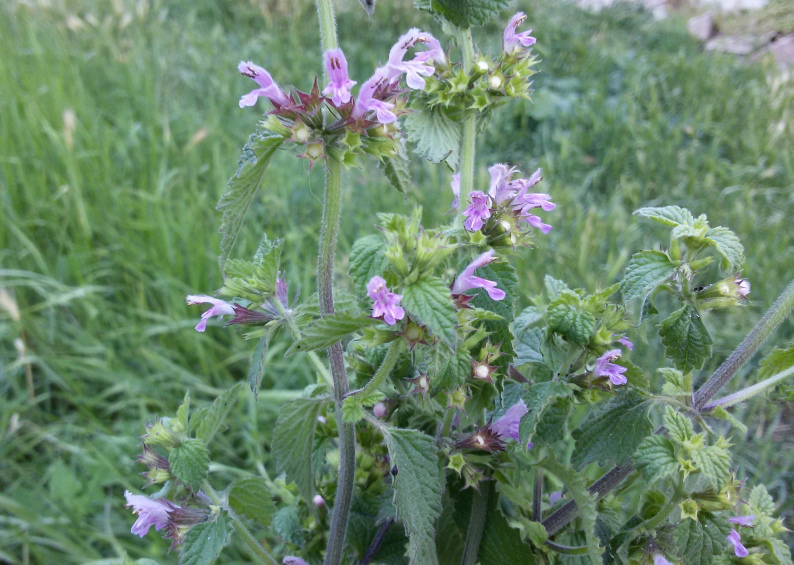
column 119, row 128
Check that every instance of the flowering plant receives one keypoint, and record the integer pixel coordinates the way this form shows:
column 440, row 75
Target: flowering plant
column 445, row 426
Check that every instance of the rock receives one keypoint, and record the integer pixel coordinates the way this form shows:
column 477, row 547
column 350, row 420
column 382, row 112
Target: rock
column 735, row 5
column 702, row 26
column 783, row 50
column 738, row 44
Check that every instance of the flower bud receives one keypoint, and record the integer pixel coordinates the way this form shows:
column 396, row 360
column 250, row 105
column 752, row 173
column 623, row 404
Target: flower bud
column 379, row 410
column 318, row 501
column 160, row 433
column 724, row 294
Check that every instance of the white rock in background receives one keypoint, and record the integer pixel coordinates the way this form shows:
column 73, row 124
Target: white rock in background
column 702, row 26
column 734, row 5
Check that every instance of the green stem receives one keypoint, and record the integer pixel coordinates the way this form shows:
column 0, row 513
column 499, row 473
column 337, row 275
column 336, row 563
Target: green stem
column 295, row 332
column 385, row 368
column 566, row 549
column 467, row 144
column 327, row 19
column 257, row 549
column 750, row 391
column 651, row 523
column 771, row 320
column 479, row 510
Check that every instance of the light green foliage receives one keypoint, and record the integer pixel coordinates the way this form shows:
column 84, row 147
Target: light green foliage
column 671, row 216
column 612, row 433
column 715, row 464
column 367, row 260
column 679, row 427
column 537, row 398
column 257, row 368
column 214, row 418
column 429, row 302
column 204, row 542
column 251, row 497
column 464, row 13
column 183, row 412
column 553, row 424
column 452, row 371
column 760, row 500
column 189, row 462
column 675, row 383
column 254, row 280
column 506, row 278
column 687, row 341
column 293, row 438
column 655, row 458
column 528, row 347
column 435, row 136
column 287, row 524
column 417, row 489
column 397, row 170
column 699, row 541
column 778, row 361
column 242, row 187
column 728, row 246
column 646, row 271
column 353, row 407
column 567, row 317
column 328, row 330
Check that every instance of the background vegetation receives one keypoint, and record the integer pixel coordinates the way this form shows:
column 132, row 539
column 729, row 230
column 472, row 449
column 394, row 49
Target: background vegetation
column 119, row 127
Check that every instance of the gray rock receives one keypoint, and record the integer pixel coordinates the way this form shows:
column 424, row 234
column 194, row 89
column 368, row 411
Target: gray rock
column 702, row 26
column 738, row 44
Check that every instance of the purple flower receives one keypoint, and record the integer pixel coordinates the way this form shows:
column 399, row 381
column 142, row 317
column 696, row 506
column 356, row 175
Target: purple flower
column 379, row 410
column 507, row 426
column 269, row 89
column 318, row 501
column 466, row 280
column 502, row 188
column 738, row 548
column 367, row 103
column 743, row 287
column 219, row 308
column 415, row 68
column 746, row 521
column 659, row 559
column 625, row 342
column 150, row 512
column 455, row 189
column 606, row 369
column 555, row 496
column 536, row 222
column 477, row 211
column 386, row 303
column 511, row 39
column 340, row 85
column 292, row 560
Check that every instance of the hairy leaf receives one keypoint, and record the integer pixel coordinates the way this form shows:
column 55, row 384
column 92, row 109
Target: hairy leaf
column 242, row 187
column 553, row 423
column 293, row 438
column 687, row 341
column 679, row 427
column 430, row 303
column 728, row 245
column 668, row 215
column 500, row 543
column 646, row 271
column 537, row 398
column 697, row 542
column 251, row 498
column 453, row 372
column 468, row 13
column 214, row 417
column 715, row 464
column 205, row 541
column 367, row 259
column 506, row 278
column 567, row 317
column 397, row 171
column 257, row 369
column 328, row 330
column 655, row 458
column 777, row 361
column 190, row 462
column 528, row 347
column 612, row 433
column 436, row 137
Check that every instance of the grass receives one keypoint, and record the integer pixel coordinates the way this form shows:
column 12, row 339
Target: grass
column 119, row 128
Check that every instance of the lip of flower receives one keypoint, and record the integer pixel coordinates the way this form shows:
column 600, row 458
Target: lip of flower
column 219, row 308
column 340, row 83
column 606, row 369
column 467, row 281
column 150, row 512
column 268, row 87
column 511, row 40
column 477, row 211
column 366, row 101
column 385, row 303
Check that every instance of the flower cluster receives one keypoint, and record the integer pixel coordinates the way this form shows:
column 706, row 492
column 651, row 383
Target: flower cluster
column 605, row 368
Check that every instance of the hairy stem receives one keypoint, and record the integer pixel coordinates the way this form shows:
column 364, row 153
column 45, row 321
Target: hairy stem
column 566, row 549
column 385, row 368
column 255, row 547
column 750, row 391
column 295, row 332
column 373, row 548
column 467, row 143
column 771, row 320
column 479, row 510
column 537, row 495
column 327, row 19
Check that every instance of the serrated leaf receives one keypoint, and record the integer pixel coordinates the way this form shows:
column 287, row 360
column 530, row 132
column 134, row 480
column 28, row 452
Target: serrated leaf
column 214, row 417
column 328, row 330
column 777, row 361
column 655, row 458
column 698, row 542
column 586, row 502
column 728, row 245
column 687, row 341
column 453, row 372
column 190, row 462
column 525, row 319
column 367, row 259
column 293, row 437
column 257, row 369
column 715, row 464
column 674, row 382
column 528, row 347
column 612, row 433
column 646, row 271
column 554, row 287
column 429, row 302
column 354, row 405
column 183, row 412
column 242, row 187
column 567, row 317
column 468, row 13
column 679, row 427
column 536, row 533
column 760, row 500
column 251, row 498
column 287, row 524
column 436, row 137
column 537, row 398
column 668, row 215
column 501, row 544
column 506, row 278
column 779, row 550
column 204, row 542
column 553, row 424
column 418, row 486
column 397, row 171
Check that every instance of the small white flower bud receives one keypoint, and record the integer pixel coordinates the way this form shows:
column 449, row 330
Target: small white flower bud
column 318, row 500
column 495, row 82
column 379, row 410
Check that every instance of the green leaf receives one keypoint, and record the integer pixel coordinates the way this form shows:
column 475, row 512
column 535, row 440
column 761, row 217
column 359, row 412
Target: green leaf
column 205, row 541
column 687, row 341
column 506, row 278
column 668, row 215
column 586, row 502
column 536, row 532
column 527, row 317
column 435, row 135
column 397, row 171
column 367, row 259
column 183, row 412
column 328, row 330
column 453, row 372
column 251, row 498
column 190, row 462
column 567, row 317
column 698, row 542
column 675, row 383
column 728, row 245
column 293, row 438
column 612, row 433
column 215, row 416
column 354, row 405
column 537, row 398
column 679, row 427
column 429, row 302
column 777, row 361
column 500, row 543
column 553, row 424
column 468, row 13
column 655, row 458
column 760, row 500
column 418, row 486
column 646, row 271
column 715, row 464
column 242, row 187
column 779, row 551
column 528, row 347
column 257, row 369
column 554, row 287
column 287, row 524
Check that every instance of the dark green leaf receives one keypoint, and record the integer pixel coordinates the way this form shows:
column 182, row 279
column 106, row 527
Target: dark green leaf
column 367, row 259
column 668, row 215
column 257, row 369
column 429, row 302
column 567, row 317
column 553, row 424
column 242, row 187
column 528, row 347
column 645, row 272
column 328, row 330
column 468, row 13
column 213, row 419
column 205, row 541
column 698, row 542
column 190, row 462
column 436, row 137
column 500, row 543
column 687, row 341
column 537, row 398
column 655, row 458
column 287, row 524
column 728, row 245
column 397, row 171
column 453, row 372
column 251, row 498
column 506, row 278
column 612, row 433
column 292, row 442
